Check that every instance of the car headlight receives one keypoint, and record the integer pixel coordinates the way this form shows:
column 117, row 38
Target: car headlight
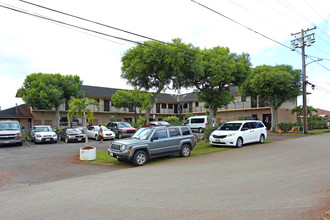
column 70, row 136
column 123, row 147
column 38, row 135
column 232, row 134
column 54, row 135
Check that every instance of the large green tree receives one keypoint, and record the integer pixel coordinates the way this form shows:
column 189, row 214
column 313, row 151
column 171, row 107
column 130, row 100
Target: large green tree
column 157, row 66
column 80, row 108
column 128, row 98
column 276, row 84
column 47, row 91
column 221, row 70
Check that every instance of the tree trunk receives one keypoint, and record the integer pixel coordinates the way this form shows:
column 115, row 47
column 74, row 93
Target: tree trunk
column 210, row 118
column 57, row 109
column 274, row 122
column 85, row 129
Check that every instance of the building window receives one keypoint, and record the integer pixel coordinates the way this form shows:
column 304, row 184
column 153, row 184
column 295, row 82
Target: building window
column 196, row 104
column 254, row 102
column 66, row 105
column 170, row 106
column 243, row 99
column 185, row 105
column 48, row 122
column 64, row 121
column 36, row 122
column 128, row 120
column 106, row 105
column 163, row 105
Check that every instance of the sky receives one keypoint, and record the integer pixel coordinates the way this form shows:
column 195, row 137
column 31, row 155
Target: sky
column 260, row 28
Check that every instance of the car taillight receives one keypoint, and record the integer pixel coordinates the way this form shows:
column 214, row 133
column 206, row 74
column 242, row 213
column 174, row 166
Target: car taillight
column 205, row 124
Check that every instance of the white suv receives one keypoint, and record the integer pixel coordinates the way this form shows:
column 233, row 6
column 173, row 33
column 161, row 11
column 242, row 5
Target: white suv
column 237, row 133
column 43, row 134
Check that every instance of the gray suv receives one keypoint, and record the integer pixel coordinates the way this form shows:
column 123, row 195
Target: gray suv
column 151, row 142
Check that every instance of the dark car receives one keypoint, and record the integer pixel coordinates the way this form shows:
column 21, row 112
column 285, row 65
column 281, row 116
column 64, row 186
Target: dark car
column 121, row 129
column 71, row 135
column 151, row 142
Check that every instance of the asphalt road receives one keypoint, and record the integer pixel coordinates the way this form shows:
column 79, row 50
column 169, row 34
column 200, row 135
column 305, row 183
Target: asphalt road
column 281, row 180
column 34, row 164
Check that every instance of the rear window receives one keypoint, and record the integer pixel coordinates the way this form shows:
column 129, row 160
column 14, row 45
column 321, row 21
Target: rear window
column 185, row 131
column 260, row 124
column 174, row 132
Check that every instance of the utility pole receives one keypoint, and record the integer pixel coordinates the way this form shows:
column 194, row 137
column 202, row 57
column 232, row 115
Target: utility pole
column 296, row 43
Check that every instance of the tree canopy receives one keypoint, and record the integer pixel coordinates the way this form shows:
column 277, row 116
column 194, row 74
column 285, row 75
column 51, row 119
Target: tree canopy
column 47, row 91
column 157, row 66
column 277, row 84
column 128, row 98
column 221, row 70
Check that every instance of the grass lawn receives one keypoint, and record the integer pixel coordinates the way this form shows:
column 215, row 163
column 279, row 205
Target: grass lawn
column 314, row 131
column 200, row 149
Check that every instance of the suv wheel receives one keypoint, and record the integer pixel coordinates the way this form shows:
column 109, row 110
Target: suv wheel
column 119, row 135
column 262, row 139
column 200, row 130
column 140, row 158
column 66, row 140
column 185, row 150
column 96, row 137
column 239, row 142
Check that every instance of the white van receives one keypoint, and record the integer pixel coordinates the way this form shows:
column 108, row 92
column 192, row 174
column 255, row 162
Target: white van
column 10, row 133
column 197, row 122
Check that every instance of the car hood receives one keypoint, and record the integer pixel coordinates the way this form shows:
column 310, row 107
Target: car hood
column 222, row 132
column 5, row 132
column 46, row 133
column 131, row 142
column 109, row 132
column 128, row 129
column 75, row 133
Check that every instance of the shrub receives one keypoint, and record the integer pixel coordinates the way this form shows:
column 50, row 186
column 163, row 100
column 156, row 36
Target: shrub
column 285, row 127
column 173, row 120
column 207, row 132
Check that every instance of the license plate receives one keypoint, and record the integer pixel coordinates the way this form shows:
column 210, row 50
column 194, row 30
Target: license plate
column 6, row 142
column 217, row 140
column 111, row 154
column 47, row 139
column 79, row 139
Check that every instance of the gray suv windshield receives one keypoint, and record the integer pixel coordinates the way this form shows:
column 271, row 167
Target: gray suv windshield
column 142, row 134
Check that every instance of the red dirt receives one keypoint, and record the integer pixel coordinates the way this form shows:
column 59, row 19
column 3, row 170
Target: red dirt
column 87, row 148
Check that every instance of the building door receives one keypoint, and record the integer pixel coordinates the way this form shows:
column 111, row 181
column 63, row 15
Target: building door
column 157, row 108
column 175, row 109
column 267, row 120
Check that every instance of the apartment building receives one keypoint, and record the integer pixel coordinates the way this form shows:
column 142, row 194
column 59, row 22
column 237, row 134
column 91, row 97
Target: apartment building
column 168, row 105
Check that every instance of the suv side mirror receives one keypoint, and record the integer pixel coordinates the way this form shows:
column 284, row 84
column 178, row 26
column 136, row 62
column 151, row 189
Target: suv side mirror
column 154, row 138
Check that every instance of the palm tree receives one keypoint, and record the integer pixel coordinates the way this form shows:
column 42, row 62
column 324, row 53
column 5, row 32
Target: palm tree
column 300, row 111
column 79, row 107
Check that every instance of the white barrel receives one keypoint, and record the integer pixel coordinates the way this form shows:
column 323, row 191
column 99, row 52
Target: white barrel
column 88, row 153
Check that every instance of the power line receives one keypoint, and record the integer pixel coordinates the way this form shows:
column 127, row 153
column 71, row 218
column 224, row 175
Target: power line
column 124, row 39
column 128, row 32
column 250, row 29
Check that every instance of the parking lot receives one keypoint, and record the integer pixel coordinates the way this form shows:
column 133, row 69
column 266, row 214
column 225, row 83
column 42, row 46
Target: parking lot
column 32, row 164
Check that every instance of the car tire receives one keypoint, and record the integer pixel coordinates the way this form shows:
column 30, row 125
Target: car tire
column 200, row 130
column 120, row 135
column 140, row 158
column 185, row 150
column 262, row 139
column 96, row 137
column 239, row 142
column 66, row 140
column 20, row 143
column 55, row 142
column 59, row 138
